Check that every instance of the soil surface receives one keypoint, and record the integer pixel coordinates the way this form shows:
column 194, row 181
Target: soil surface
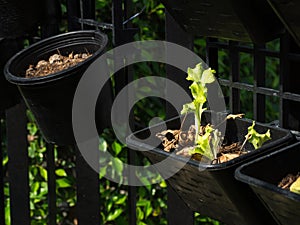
column 182, row 142
column 288, row 180
column 54, row 64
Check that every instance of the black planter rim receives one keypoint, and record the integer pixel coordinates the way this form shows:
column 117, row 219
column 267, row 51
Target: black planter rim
column 22, row 81
column 212, row 167
column 239, row 175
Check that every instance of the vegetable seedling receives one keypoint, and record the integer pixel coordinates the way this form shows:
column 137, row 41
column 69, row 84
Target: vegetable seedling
column 208, row 143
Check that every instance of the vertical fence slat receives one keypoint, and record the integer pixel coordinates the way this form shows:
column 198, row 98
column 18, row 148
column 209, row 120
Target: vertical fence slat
column 2, row 205
column 178, row 212
column 51, row 185
column 284, row 46
column 234, row 100
column 259, row 100
column 18, row 164
column 88, row 194
column 212, row 55
column 73, row 9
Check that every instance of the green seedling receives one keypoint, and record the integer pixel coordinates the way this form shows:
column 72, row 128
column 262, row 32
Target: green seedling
column 208, row 143
column 255, row 138
column 200, row 77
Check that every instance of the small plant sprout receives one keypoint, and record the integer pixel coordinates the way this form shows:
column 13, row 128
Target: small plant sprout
column 200, row 77
column 255, row 138
column 208, row 139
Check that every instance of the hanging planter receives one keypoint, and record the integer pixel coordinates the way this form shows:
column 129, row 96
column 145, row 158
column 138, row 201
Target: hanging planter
column 211, row 189
column 200, row 158
column 264, row 174
column 288, row 13
column 50, row 97
column 230, row 19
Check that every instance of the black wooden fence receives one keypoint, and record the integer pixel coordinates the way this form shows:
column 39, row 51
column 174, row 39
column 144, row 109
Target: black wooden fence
column 287, row 94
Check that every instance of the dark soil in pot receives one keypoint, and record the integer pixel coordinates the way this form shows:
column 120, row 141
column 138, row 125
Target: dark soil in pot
column 50, row 97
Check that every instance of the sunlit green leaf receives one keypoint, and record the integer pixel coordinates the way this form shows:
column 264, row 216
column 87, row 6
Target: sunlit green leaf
column 61, row 172
column 257, row 139
column 43, row 173
column 63, row 183
column 117, row 147
column 139, row 213
column 113, row 216
column 208, row 76
column 121, row 200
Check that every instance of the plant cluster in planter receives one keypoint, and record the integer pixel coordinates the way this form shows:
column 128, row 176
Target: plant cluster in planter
column 205, row 142
column 206, row 186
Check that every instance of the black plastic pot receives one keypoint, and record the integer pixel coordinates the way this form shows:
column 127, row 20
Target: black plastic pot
column 263, row 175
column 288, row 12
column 50, row 97
column 248, row 20
column 209, row 189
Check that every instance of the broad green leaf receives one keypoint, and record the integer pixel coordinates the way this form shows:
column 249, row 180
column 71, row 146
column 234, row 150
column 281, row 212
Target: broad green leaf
column 148, row 209
column 295, row 187
column 117, row 147
column 5, row 160
column 203, row 144
column 163, row 184
column 113, row 216
column 208, row 76
column 102, row 171
column 195, row 73
column 142, row 202
column 63, row 183
column 139, row 213
column 121, row 200
column 43, row 173
column 35, row 187
column 255, row 138
column 61, row 172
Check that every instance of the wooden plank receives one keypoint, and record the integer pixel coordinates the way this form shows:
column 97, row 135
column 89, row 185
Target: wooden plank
column 16, row 123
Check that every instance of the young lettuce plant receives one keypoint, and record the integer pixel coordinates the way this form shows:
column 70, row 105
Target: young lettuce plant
column 207, row 144
column 200, row 77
